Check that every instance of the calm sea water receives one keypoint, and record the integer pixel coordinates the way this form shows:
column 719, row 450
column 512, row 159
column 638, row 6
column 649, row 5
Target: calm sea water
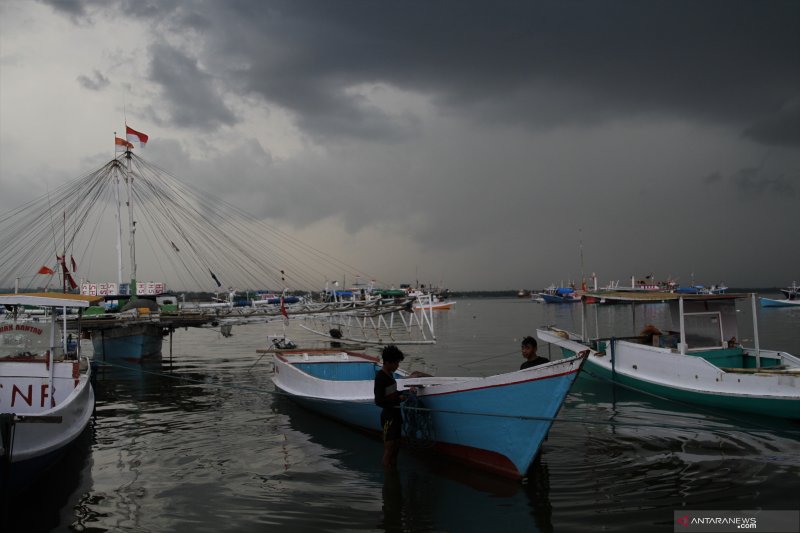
column 202, row 443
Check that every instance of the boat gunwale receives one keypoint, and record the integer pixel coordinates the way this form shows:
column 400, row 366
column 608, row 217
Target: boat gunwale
column 460, row 384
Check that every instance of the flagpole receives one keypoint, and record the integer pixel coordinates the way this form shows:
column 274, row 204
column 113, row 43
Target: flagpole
column 64, row 283
column 131, row 224
column 119, row 223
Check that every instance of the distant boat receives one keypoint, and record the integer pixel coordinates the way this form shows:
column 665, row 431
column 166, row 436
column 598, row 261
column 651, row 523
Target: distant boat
column 46, row 396
column 768, row 302
column 700, row 363
column 272, row 298
column 559, row 295
column 701, row 289
column 792, row 298
column 132, row 335
column 435, row 305
column 430, row 301
column 496, row 423
column 793, row 292
column 648, row 284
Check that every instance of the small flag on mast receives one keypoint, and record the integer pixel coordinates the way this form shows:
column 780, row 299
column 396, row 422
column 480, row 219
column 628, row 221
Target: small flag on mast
column 121, row 145
column 62, row 259
column 46, row 270
column 133, row 136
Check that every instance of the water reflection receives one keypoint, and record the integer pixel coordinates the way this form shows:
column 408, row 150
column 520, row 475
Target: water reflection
column 628, row 454
column 60, row 488
column 428, row 492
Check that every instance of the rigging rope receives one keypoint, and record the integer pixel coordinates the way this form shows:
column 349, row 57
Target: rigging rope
column 189, row 232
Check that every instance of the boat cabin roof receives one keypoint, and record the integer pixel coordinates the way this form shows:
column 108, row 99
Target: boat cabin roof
column 49, row 299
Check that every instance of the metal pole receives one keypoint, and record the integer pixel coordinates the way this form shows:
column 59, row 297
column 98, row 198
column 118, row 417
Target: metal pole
column 755, row 329
column 52, row 356
column 613, row 343
column 597, row 320
column 683, row 329
column 131, row 225
column 583, row 321
column 64, row 331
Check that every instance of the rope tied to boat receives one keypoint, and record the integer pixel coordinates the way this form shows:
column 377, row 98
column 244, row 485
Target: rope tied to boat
column 417, row 422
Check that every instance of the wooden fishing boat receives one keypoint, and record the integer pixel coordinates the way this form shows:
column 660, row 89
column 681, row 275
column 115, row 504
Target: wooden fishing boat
column 769, row 302
column 793, row 292
column 496, row 423
column 46, row 398
column 699, row 362
column 792, row 299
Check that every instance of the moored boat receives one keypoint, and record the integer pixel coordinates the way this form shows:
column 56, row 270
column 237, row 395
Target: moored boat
column 792, row 299
column 435, row 305
column 496, row 423
column 769, row 302
column 699, row 362
column 46, row 397
column 559, row 295
column 648, row 284
column 702, row 289
column 793, row 292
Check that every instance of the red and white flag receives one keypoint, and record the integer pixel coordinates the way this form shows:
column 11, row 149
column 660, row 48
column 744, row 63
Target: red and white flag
column 120, row 145
column 283, row 309
column 133, row 136
column 46, row 270
column 62, row 259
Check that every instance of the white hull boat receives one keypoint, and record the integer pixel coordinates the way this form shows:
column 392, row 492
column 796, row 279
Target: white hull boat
column 46, row 397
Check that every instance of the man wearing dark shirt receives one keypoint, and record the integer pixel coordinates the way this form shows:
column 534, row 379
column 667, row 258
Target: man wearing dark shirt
column 388, row 397
column 529, row 348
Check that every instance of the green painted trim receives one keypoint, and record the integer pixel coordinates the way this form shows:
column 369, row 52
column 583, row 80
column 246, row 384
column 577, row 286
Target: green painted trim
column 761, row 406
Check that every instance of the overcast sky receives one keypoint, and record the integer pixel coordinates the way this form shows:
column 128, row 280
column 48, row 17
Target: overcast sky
column 472, row 144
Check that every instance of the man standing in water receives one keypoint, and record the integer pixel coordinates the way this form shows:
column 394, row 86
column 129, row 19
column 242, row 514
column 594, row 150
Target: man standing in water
column 388, row 397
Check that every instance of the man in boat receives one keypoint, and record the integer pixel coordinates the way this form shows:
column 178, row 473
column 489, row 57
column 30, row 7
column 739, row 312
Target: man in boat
column 529, row 347
column 650, row 333
column 389, row 398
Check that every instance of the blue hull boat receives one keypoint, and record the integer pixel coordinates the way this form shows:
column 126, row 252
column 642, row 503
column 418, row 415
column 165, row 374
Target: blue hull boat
column 134, row 343
column 769, row 302
column 496, row 423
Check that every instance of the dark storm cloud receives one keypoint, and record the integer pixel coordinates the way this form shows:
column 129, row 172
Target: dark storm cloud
column 81, row 10
column 538, row 64
column 95, row 82
column 187, row 89
column 714, row 177
column 74, row 9
column 754, row 181
column 779, row 128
